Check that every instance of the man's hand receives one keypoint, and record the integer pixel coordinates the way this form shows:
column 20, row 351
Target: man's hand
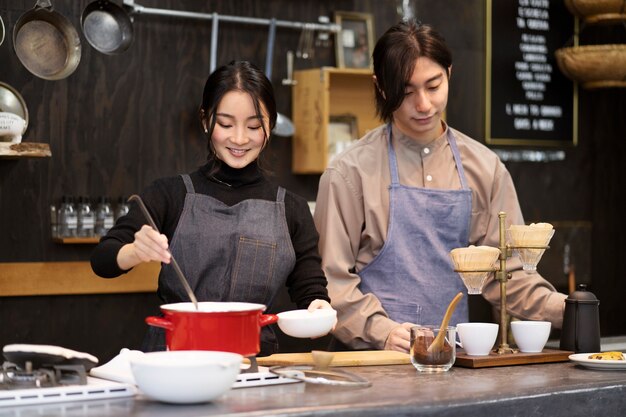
column 400, row 338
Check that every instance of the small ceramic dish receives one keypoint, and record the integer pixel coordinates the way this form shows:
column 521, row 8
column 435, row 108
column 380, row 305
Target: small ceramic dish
column 304, row 323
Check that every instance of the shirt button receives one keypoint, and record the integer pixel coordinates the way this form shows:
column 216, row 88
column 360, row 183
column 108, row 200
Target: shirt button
column 426, row 151
column 429, row 178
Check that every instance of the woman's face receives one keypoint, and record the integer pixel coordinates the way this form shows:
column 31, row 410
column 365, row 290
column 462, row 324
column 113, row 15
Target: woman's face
column 426, row 97
column 238, row 136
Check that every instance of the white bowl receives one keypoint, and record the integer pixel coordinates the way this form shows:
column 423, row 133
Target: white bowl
column 304, row 323
column 185, row 376
column 531, row 336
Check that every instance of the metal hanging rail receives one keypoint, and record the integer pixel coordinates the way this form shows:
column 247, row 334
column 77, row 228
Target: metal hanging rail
column 139, row 10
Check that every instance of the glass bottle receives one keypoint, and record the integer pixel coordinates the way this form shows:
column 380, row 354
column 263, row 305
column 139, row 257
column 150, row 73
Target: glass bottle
column 121, row 209
column 68, row 220
column 104, row 216
column 54, row 218
column 86, row 218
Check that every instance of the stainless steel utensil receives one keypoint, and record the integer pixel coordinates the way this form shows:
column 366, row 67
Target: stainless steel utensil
column 284, row 126
column 179, row 272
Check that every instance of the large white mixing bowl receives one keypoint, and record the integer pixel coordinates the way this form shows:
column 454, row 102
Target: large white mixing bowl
column 185, row 376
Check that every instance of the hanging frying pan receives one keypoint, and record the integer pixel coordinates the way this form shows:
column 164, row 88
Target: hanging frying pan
column 46, row 42
column 107, row 27
column 1, row 31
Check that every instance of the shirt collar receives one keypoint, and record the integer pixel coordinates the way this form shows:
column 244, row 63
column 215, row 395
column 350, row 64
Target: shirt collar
column 433, row 145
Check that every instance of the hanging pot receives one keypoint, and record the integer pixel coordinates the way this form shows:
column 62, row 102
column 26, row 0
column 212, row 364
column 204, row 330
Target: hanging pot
column 107, row 27
column 46, row 43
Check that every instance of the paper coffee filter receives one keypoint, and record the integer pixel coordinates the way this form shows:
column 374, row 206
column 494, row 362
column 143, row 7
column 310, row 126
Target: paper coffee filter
column 475, row 260
column 535, row 234
column 474, row 257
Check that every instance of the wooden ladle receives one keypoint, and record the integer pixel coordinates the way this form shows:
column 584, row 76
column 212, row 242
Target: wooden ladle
column 437, row 344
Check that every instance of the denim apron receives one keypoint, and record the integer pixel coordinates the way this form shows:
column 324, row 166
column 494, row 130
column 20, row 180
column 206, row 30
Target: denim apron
column 240, row 253
column 413, row 276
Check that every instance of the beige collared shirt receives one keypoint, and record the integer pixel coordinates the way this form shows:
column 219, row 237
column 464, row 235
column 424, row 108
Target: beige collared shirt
column 351, row 215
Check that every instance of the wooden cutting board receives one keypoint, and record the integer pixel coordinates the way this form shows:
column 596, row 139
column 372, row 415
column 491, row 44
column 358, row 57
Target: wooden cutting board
column 353, row 358
column 519, row 358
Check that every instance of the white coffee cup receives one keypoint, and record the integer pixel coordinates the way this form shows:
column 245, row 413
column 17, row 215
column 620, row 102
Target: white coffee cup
column 477, row 338
column 531, row 336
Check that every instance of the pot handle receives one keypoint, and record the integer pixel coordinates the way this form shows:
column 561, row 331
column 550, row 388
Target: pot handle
column 159, row 322
column 266, row 319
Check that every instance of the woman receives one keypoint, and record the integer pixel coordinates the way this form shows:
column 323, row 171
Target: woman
column 391, row 207
column 236, row 236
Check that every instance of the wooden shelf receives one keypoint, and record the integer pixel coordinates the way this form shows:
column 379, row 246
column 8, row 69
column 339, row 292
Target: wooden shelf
column 66, row 278
column 76, row 240
column 24, row 150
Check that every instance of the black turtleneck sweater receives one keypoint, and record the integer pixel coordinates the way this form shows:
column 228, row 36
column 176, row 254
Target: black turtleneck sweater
column 165, row 198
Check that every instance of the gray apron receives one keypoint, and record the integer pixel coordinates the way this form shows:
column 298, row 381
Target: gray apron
column 413, row 276
column 239, row 253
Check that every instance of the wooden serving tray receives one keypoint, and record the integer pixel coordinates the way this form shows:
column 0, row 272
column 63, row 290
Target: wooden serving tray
column 508, row 359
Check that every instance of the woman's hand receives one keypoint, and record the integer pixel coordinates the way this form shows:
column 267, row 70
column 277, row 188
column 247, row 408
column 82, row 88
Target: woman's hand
column 149, row 245
column 319, row 304
column 400, row 338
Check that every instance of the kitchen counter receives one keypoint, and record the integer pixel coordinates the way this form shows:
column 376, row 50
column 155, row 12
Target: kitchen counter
column 559, row 389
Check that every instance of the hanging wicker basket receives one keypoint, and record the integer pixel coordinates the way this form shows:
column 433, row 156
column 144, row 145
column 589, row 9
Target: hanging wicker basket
column 594, row 66
column 598, row 11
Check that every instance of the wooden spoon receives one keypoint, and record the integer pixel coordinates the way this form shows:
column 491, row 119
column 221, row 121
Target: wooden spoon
column 437, row 344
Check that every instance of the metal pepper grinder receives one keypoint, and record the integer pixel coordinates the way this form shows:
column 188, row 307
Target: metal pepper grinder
column 581, row 322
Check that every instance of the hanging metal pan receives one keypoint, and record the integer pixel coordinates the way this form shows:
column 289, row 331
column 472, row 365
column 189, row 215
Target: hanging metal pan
column 1, row 31
column 107, row 27
column 46, row 42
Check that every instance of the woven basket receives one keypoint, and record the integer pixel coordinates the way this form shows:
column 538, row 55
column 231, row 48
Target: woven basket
column 597, row 11
column 594, row 66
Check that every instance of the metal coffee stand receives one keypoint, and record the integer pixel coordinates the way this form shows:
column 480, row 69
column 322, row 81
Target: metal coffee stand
column 506, row 355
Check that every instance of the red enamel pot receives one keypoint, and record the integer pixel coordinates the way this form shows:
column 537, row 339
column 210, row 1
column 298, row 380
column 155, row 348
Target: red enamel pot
column 224, row 326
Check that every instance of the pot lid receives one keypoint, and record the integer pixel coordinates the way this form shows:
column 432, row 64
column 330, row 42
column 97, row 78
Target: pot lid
column 313, row 375
column 581, row 295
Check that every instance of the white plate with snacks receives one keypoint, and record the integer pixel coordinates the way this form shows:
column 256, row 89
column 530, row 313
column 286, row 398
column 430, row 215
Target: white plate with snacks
column 601, row 364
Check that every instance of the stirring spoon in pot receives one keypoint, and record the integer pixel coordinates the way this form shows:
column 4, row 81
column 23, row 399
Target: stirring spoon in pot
column 179, row 272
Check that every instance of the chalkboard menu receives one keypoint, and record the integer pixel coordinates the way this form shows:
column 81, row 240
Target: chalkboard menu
column 529, row 101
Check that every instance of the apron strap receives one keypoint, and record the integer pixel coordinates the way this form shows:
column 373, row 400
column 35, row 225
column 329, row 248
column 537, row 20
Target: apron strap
column 280, row 195
column 457, row 159
column 393, row 163
column 188, row 184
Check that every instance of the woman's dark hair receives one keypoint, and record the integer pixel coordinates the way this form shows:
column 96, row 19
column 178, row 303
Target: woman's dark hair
column 394, row 57
column 236, row 76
